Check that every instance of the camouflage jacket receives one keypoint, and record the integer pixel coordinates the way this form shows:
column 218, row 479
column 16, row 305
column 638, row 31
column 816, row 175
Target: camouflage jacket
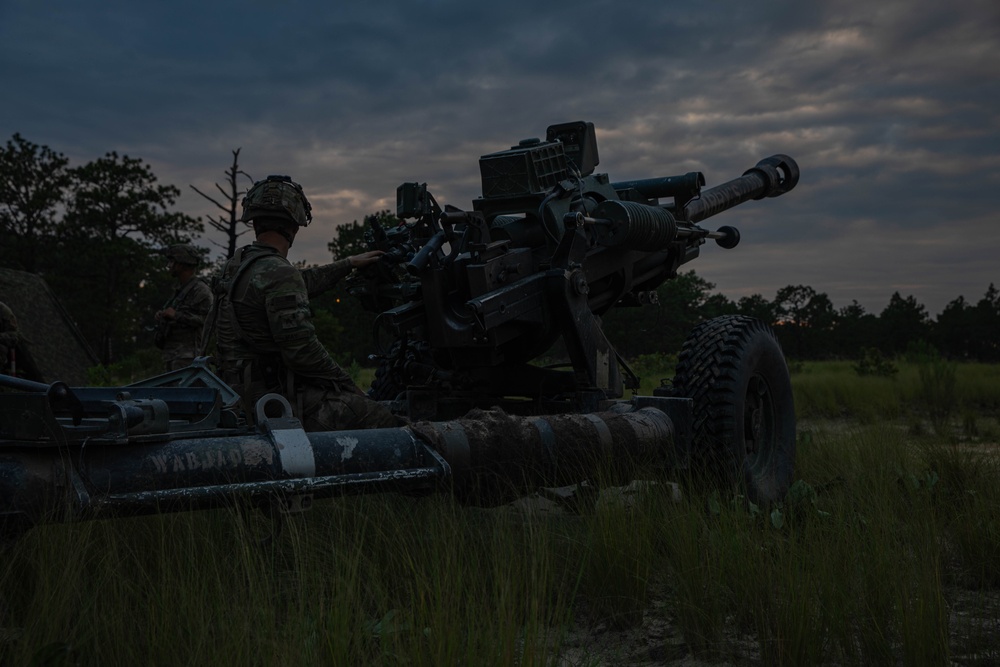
column 264, row 319
column 191, row 308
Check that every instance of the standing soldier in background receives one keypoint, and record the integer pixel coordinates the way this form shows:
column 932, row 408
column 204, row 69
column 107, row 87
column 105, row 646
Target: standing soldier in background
column 9, row 338
column 265, row 335
column 182, row 319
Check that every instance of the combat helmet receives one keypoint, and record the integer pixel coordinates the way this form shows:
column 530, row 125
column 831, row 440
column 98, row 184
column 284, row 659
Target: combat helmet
column 182, row 253
column 277, row 197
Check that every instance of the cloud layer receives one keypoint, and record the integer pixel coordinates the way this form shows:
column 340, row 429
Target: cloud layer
column 892, row 110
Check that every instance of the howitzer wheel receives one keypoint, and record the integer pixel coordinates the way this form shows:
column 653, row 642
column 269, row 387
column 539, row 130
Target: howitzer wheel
column 744, row 415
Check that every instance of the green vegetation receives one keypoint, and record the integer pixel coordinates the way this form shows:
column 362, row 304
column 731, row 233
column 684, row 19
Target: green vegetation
column 926, row 394
column 885, row 551
column 94, row 232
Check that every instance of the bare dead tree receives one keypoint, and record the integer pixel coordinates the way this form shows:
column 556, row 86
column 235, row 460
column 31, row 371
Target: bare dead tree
column 228, row 223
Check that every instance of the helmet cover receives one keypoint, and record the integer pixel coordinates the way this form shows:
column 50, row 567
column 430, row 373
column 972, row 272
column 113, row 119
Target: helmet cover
column 277, row 197
column 182, row 253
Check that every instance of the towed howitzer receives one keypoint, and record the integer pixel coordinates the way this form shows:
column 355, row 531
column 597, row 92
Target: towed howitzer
column 472, row 298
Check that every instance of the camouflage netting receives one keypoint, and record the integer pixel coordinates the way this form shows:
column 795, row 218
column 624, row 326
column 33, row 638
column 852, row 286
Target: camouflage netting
column 52, row 347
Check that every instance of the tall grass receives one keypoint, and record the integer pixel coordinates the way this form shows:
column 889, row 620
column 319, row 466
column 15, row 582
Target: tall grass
column 932, row 389
column 886, row 551
column 360, row 581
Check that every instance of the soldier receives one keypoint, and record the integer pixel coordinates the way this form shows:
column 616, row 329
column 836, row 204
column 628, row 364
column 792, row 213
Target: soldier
column 265, row 335
column 9, row 338
column 181, row 321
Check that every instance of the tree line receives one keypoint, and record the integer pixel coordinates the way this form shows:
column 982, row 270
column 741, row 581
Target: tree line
column 94, row 233
column 808, row 326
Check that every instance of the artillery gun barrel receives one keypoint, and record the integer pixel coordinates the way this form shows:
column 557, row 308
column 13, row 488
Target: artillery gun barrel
column 680, row 232
column 636, row 226
column 771, row 177
column 685, row 187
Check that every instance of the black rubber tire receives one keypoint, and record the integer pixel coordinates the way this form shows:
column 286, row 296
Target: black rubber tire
column 744, row 413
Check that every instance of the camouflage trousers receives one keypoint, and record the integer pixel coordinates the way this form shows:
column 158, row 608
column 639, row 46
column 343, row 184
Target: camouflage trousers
column 332, row 410
column 175, row 357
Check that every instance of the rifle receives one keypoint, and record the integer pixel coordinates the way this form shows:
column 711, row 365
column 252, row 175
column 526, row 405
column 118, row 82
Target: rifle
column 163, row 326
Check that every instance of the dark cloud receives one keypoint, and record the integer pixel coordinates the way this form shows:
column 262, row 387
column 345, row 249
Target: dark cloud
column 891, row 109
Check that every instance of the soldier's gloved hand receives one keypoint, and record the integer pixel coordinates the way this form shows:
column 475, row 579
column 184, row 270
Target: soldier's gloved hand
column 365, row 258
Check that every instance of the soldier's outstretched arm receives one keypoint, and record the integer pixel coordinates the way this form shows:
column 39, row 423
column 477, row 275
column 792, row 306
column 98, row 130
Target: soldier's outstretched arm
column 321, row 278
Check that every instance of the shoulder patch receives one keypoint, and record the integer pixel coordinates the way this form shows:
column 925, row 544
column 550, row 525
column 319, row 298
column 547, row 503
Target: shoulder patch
column 283, row 302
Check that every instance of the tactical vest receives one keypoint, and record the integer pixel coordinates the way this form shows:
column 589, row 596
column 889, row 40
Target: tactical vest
column 260, row 370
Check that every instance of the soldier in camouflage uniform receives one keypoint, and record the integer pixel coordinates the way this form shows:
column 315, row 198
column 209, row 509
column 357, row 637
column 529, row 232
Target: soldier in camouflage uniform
column 181, row 321
column 9, row 338
column 265, row 335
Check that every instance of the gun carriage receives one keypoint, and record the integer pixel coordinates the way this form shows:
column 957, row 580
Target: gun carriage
column 467, row 301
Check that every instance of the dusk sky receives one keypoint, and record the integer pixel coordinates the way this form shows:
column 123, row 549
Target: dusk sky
column 890, row 107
